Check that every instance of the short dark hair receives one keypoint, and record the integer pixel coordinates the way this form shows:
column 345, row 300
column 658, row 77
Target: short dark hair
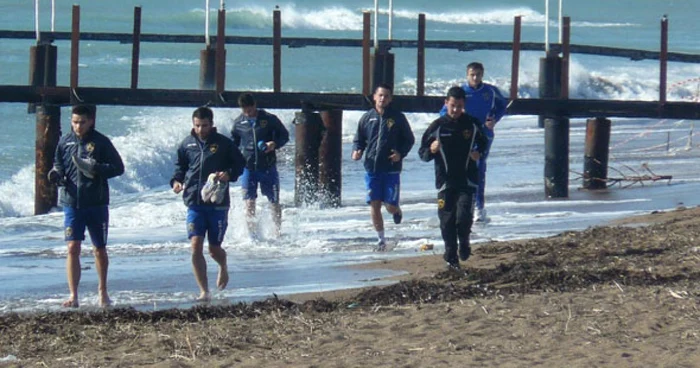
column 386, row 86
column 476, row 66
column 203, row 113
column 85, row 110
column 246, row 100
column 456, row 93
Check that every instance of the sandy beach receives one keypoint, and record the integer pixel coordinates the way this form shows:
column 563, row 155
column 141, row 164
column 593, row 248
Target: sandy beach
column 623, row 295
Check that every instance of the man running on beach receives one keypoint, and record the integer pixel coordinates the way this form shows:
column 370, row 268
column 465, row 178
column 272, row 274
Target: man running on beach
column 259, row 134
column 386, row 136
column 206, row 162
column 455, row 142
column 486, row 103
column 83, row 162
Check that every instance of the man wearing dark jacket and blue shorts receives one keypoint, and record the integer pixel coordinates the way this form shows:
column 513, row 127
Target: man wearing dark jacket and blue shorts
column 455, row 142
column 384, row 136
column 206, row 162
column 84, row 160
column 259, row 134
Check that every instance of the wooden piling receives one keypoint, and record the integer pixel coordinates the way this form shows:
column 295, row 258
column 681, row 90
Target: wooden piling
column 420, row 65
column 220, row 57
column 331, row 158
column 277, row 51
column 515, row 63
column 307, row 129
column 136, row 48
column 48, row 132
column 595, row 159
column 663, row 60
column 556, row 157
column 366, row 80
column 74, row 52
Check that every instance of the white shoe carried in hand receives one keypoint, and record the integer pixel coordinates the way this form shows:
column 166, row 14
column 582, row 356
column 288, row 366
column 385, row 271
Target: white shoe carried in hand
column 481, row 215
column 209, row 188
column 219, row 193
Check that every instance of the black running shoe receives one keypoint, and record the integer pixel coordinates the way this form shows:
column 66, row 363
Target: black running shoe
column 398, row 216
column 464, row 252
column 453, row 266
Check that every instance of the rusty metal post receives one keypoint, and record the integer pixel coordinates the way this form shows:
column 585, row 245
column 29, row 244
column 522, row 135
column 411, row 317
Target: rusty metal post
column 550, row 80
column 136, row 48
column 74, row 52
column 420, row 66
column 220, row 56
column 565, row 54
column 382, row 67
column 595, row 159
column 663, row 60
column 307, row 129
column 366, row 54
column 276, row 51
column 556, row 157
column 207, row 68
column 48, row 132
column 515, row 63
column 331, row 158
column 42, row 68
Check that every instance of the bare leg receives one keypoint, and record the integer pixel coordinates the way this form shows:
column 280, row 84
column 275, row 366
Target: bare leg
column 250, row 216
column 277, row 218
column 102, row 265
column 391, row 208
column 376, row 215
column 73, row 273
column 219, row 255
column 199, row 267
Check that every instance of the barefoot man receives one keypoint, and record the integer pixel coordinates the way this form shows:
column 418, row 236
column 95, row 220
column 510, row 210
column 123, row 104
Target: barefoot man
column 206, row 162
column 84, row 160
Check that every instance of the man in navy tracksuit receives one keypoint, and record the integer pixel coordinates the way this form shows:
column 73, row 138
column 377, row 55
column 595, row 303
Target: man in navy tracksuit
column 83, row 162
column 205, row 153
column 385, row 137
column 455, row 142
column 259, row 134
column 486, row 103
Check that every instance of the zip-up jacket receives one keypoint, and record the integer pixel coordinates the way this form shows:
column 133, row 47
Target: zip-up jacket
column 267, row 128
column 378, row 135
column 482, row 101
column 197, row 159
column 78, row 190
column 454, row 169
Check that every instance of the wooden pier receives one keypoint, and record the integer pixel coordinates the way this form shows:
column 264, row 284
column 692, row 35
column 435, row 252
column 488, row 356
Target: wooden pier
column 553, row 107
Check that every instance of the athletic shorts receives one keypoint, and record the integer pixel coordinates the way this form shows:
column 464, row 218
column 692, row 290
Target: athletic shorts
column 96, row 219
column 207, row 221
column 383, row 187
column 269, row 182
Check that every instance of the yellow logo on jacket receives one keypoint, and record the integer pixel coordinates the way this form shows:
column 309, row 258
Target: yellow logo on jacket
column 467, row 134
column 263, row 123
column 90, row 146
column 390, row 123
column 213, row 148
column 441, row 204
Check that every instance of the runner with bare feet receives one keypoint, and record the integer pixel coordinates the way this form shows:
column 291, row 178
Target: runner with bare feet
column 206, row 162
column 83, row 162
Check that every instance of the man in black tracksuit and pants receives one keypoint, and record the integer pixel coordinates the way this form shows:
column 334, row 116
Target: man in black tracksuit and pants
column 455, row 141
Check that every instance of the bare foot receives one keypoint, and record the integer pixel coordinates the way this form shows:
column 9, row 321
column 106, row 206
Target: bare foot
column 70, row 303
column 105, row 301
column 222, row 280
column 204, row 297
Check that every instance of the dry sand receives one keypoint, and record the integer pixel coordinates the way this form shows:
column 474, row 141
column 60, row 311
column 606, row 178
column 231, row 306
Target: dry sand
column 626, row 295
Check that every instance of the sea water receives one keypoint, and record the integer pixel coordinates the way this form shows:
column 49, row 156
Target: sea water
column 150, row 263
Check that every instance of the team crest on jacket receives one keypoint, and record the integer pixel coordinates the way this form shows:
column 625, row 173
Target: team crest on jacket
column 263, row 123
column 390, row 123
column 69, row 231
column 213, row 148
column 441, row 204
column 486, row 96
column 90, row 146
column 467, row 134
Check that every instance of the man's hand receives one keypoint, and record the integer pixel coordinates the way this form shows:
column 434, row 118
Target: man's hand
column 475, row 155
column 395, row 156
column 177, row 187
column 435, row 146
column 222, row 176
column 356, row 155
column 270, row 146
column 490, row 122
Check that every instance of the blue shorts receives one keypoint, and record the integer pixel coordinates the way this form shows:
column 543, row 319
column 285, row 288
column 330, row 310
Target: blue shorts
column 207, row 221
column 383, row 187
column 269, row 184
column 96, row 219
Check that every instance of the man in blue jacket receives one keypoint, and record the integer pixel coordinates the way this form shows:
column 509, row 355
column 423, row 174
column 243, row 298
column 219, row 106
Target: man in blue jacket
column 206, row 162
column 384, row 136
column 83, row 162
column 455, row 142
column 259, row 134
column 486, row 103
